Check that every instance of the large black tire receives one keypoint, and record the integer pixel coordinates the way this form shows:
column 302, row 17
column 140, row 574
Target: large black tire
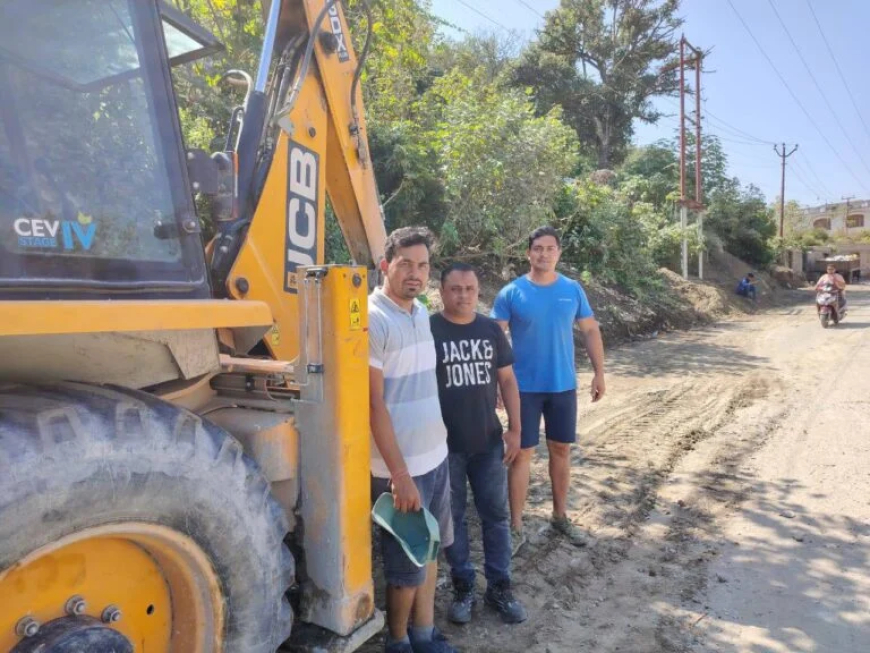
column 75, row 456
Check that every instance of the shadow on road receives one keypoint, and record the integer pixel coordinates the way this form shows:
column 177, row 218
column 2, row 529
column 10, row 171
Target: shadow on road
column 808, row 597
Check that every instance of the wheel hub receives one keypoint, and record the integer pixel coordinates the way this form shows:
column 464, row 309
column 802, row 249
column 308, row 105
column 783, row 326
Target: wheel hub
column 75, row 635
column 149, row 583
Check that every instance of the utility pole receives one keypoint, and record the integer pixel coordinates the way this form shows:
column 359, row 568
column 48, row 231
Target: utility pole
column 699, row 196
column 685, row 202
column 783, row 155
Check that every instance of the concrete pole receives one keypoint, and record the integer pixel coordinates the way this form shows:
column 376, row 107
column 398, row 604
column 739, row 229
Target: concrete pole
column 699, row 195
column 684, row 224
column 783, row 155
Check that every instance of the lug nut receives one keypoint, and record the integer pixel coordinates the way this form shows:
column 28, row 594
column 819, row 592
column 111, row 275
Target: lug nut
column 75, row 606
column 111, row 615
column 27, row 627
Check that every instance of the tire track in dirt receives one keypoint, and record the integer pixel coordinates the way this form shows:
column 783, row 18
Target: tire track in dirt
column 599, row 598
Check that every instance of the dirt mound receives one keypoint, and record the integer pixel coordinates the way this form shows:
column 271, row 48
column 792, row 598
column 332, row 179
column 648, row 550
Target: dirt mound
column 678, row 304
column 788, row 278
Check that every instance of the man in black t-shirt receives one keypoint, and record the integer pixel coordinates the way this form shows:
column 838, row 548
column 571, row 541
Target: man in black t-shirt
column 474, row 360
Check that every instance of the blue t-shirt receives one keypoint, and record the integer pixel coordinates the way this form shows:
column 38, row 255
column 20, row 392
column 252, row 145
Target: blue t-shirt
column 541, row 321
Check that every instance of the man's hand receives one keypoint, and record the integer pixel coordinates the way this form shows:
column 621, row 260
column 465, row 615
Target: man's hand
column 406, row 496
column 511, row 439
column 598, row 388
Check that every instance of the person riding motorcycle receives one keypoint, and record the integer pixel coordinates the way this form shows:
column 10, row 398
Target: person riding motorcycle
column 835, row 279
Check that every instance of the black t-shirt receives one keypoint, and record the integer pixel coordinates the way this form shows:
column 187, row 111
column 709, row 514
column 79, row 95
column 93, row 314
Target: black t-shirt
column 469, row 356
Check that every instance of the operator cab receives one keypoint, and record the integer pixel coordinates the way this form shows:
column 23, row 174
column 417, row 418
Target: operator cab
column 94, row 193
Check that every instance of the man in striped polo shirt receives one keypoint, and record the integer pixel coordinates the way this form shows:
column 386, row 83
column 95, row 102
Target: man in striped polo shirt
column 409, row 456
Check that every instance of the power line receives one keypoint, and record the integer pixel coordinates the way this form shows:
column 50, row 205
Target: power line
column 815, row 175
column 530, row 8
column 816, row 183
column 732, row 137
column 730, row 129
column 799, row 175
column 839, row 70
column 793, row 95
column 819, row 87
column 803, row 183
column 804, row 176
column 737, row 130
column 729, row 139
column 483, row 15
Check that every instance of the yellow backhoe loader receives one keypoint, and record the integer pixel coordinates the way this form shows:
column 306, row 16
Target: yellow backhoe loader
column 184, row 437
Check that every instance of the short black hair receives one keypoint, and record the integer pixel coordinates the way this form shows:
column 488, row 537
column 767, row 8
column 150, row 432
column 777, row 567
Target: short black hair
column 750, row 276
column 407, row 237
column 540, row 232
column 458, row 266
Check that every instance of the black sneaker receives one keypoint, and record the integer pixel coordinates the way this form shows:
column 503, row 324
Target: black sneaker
column 463, row 601
column 438, row 644
column 500, row 597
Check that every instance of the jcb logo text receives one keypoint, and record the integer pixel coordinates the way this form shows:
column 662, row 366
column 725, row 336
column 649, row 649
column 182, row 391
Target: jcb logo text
column 302, row 210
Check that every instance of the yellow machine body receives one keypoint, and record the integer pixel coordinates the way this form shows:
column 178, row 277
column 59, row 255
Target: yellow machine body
column 278, row 358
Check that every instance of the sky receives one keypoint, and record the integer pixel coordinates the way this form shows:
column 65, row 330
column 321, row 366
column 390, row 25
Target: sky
column 787, row 91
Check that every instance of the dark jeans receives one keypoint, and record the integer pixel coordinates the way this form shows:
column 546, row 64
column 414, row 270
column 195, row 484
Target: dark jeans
column 488, row 477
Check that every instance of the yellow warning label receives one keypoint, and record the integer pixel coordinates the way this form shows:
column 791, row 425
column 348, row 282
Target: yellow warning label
column 355, row 315
column 275, row 335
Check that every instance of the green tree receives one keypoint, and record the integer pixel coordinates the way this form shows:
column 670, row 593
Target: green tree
column 489, row 56
column 611, row 238
column 651, row 174
column 206, row 104
column 502, row 166
column 397, row 70
column 603, row 61
column 742, row 220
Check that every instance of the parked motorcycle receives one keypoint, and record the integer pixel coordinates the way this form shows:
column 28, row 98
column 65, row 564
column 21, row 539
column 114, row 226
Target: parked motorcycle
column 828, row 306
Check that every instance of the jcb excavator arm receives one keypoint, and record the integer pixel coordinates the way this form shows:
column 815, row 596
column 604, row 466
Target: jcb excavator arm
column 306, row 117
column 312, row 144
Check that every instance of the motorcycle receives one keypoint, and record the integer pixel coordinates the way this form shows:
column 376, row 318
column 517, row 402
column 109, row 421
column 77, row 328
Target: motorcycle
column 828, row 306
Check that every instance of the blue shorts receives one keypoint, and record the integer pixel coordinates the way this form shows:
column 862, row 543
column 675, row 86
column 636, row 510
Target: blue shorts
column 559, row 410
column 434, row 489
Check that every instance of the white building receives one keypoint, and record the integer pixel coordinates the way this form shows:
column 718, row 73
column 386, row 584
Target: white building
column 848, row 218
column 847, row 223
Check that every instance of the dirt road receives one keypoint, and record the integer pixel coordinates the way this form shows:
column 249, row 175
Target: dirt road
column 725, row 483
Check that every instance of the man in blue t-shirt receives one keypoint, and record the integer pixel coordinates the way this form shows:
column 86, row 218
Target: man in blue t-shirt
column 540, row 310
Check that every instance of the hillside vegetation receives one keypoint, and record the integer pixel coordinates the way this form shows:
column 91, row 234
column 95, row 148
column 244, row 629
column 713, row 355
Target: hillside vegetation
column 483, row 138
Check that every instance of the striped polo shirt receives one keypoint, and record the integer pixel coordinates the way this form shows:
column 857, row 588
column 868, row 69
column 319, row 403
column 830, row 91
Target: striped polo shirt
column 401, row 344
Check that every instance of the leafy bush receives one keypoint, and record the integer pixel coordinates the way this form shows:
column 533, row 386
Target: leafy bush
column 502, row 166
column 609, row 238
